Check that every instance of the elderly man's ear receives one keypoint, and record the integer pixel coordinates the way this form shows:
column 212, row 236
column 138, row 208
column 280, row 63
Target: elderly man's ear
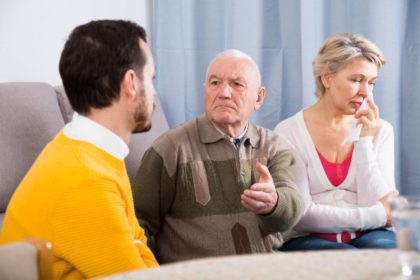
column 260, row 98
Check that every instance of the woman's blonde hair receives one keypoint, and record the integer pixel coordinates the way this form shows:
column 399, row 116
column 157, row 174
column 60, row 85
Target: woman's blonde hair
column 340, row 49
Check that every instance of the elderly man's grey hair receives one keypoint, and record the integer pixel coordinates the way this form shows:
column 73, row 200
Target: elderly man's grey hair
column 237, row 54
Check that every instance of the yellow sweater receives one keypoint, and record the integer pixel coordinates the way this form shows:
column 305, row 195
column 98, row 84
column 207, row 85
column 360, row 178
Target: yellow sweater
column 78, row 197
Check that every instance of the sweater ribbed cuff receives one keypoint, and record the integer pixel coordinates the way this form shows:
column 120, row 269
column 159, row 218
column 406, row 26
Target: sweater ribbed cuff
column 286, row 213
column 372, row 217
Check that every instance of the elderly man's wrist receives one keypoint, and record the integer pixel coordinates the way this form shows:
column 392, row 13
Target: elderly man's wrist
column 274, row 207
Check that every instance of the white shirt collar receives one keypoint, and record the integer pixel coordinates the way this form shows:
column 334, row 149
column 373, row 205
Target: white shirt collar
column 84, row 129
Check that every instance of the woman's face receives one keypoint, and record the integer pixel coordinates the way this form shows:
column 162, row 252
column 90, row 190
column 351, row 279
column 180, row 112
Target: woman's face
column 351, row 84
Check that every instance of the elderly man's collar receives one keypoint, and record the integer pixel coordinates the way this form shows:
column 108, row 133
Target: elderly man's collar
column 210, row 134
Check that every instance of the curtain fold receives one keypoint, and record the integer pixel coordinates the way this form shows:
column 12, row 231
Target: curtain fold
column 283, row 36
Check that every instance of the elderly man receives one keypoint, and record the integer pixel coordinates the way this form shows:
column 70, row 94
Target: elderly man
column 218, row 185
column 77, row 193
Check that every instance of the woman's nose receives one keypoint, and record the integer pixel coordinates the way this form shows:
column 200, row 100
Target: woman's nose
column 364, row 89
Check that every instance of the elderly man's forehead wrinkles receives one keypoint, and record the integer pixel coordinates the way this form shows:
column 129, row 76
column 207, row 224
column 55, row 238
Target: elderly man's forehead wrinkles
column 228, row 77
column 236, row 55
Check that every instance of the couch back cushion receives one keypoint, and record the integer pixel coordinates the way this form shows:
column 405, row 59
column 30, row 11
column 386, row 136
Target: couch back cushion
column 138, row 142
column 29, row 118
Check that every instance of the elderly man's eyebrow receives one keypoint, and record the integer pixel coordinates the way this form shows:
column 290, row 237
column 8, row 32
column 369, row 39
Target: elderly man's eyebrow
column 238, row 79
column 212, row 76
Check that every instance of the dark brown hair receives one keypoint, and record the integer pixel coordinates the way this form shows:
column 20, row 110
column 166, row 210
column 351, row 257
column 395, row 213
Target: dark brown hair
column 95, row 59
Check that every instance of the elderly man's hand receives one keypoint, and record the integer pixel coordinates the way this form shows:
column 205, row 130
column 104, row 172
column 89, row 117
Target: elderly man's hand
column 261, row 197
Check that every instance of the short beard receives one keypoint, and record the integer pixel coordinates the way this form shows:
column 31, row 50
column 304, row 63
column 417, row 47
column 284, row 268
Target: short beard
column 142, row 119
column 142, row 127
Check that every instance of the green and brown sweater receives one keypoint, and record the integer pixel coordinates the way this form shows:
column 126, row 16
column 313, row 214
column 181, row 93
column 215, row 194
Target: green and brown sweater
column 187, row 192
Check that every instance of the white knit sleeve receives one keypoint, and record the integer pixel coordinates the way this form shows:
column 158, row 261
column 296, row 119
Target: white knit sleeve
column 375, row 166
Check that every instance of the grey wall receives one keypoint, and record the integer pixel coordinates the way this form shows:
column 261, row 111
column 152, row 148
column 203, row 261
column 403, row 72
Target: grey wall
column 33, row 33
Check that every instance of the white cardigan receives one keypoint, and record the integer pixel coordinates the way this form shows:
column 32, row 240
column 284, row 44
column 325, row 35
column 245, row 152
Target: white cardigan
column 354, row 204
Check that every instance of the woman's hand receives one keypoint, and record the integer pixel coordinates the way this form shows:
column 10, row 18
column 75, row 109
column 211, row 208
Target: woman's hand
column 385, row 203
column 369, row 118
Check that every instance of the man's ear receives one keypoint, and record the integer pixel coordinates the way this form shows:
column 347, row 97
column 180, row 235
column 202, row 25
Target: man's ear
column 260, row 98
column 128, row 83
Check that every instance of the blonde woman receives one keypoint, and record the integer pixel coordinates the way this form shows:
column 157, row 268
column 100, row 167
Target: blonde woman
column 345, row 184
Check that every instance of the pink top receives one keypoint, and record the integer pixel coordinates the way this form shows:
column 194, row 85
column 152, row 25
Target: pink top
column 336, row 172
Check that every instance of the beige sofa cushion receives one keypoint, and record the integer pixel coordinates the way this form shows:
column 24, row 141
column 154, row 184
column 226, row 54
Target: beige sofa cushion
column 29, row 118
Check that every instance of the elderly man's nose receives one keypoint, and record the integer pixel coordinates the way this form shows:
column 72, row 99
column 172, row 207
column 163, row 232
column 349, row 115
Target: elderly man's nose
column 225, row 91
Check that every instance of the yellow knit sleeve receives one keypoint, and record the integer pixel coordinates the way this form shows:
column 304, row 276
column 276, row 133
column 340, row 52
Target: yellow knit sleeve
column 144, row 250
column 92, row 232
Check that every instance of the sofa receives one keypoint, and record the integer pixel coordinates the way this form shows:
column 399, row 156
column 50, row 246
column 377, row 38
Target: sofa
column 31, row 114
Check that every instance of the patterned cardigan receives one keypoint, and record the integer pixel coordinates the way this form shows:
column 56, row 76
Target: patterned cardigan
column 188, row 188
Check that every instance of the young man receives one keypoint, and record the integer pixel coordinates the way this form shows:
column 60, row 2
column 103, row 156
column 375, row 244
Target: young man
column 218, row 185
column 77, row 193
